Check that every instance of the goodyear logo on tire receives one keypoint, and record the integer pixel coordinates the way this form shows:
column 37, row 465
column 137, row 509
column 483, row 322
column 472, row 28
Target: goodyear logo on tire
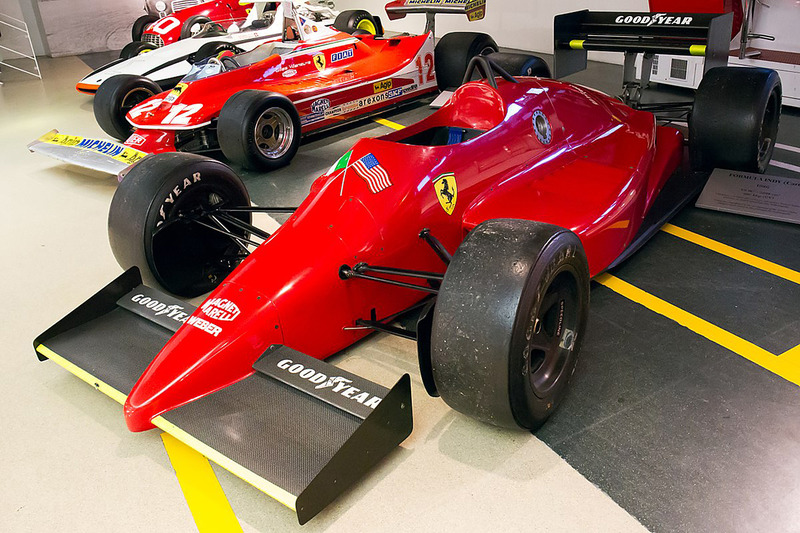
column 446, row 191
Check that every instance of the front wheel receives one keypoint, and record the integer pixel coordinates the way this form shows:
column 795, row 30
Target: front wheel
column 259, row 130
column 453, row 53
column 193, row 25
column 509, row 321
column 734, row 120
column 116, row 97
column 136, row 48
column 160, row 216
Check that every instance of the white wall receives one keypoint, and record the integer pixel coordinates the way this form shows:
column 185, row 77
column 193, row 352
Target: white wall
column 521, row 24
column 80, row 26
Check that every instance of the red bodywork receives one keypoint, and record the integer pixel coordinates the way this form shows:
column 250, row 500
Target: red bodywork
column 168, row 29
column 598, row 175
column 354, row 77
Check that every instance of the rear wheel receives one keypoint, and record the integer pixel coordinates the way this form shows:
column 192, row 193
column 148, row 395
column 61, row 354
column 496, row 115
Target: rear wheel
column 259, row 129
column 213, row 49
column 453, row 53
column 136, row 48
column 140, row 25
column 193, row 25
column 521, row 64
column 151, row 222
column 116, row 97
column 509, row 321
column 734, row 121
column 355, row 19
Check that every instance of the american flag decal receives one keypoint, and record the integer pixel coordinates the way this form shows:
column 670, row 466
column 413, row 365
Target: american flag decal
column 373, row 173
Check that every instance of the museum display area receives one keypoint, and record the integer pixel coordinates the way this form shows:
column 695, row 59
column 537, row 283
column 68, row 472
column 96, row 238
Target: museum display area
column 408, row 265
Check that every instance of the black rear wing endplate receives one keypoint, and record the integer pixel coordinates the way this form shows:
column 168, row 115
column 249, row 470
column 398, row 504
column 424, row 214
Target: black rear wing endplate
column 299, row 429
column 705, row 35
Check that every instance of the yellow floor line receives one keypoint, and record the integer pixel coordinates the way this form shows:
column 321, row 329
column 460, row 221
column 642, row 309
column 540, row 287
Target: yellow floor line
column 787, row 366
column 734, row 253
column 389, row 123
column 207, row 501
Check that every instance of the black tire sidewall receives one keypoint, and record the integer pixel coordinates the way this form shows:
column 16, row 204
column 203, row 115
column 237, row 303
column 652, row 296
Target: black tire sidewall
column 453, row 53
column 135, row 48
column 140, row 25
column 727, row 116
column 529, row 410
column 186, row 29
column 213, row 49
column 108, row 102
column 347, row 21
column 236, row 129
column 141, row 203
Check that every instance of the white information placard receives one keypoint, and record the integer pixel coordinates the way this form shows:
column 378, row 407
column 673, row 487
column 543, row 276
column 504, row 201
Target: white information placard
column 755, row 195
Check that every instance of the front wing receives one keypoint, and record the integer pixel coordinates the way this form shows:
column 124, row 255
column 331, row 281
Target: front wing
column 298, row 442
column 95, row 154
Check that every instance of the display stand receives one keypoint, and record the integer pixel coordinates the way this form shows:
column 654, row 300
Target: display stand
column 12, row 24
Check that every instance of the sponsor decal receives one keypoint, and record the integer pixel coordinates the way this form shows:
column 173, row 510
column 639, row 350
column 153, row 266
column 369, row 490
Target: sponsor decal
column 311, row 118
column 289, row 73
column 541, row 126
column 371, row 171
column 135, row 140
column 361, row 103
column 116, row 151
column 319, row 106
column 660, row 19
column 341, row 55
column 175, row 93
column 380, row 86
column 446, row 191
column 336, row 384
column 176, row 191
column 204, row 325
column 319, row 61
column 221, row 309
column 174, row 311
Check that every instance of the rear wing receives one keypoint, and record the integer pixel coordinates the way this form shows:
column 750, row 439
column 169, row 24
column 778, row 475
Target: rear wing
column 691, row 34
column 473, row 9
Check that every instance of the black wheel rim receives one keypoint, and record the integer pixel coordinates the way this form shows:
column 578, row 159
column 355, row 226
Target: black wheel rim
column 189, row 258
column 769, row 131
column 551, row 335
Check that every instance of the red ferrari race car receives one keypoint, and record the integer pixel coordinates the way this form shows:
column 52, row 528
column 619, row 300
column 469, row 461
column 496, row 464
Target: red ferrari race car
column 186, row 22
column 536, row 185
column 255, row 106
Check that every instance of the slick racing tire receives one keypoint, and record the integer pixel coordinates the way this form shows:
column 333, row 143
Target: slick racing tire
column 509, row 321
column 213, row 49
column 521, row 64
column 734, row 120
column 136, row 48
column 118, row 95
column 355, row 19
column 140, row 25
column 153, row 222
column 453, row 53
column 259, row 130
column 193, row 25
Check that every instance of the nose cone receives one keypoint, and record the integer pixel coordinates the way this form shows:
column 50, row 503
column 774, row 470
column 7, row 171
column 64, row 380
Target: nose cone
column 215, row 348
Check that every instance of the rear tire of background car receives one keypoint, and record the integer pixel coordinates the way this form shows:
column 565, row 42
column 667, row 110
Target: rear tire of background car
column 453, row 53
column 509, row 321
column 136, row 48
column 193, row 25
column 734, row 120
column 213, row 49
column 521, row 64
column 184, row 258
column 259, row 130
column 140, row 25
column 118, row 95
column 355, row 19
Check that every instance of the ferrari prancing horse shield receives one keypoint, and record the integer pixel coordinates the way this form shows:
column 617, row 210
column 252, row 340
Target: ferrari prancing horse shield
column 319, row 61
column 446, row 191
